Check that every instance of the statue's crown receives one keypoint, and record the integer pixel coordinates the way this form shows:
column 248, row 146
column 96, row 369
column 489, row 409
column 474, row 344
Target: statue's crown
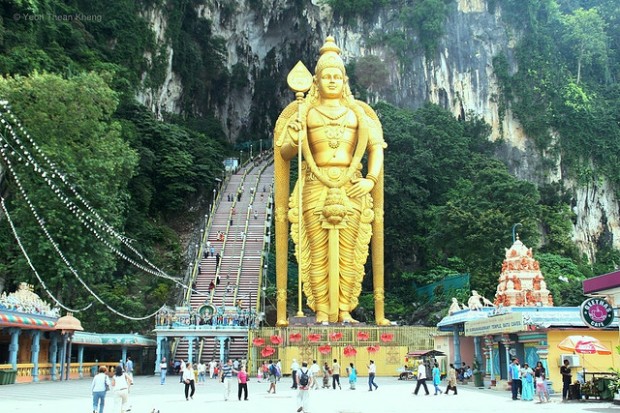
column 330, row 56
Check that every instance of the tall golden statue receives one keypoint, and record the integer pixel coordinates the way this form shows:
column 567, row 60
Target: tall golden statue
column 342, row 206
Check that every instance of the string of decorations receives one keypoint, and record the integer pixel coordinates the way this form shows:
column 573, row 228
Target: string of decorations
column 73, row 208
column 36, row 273
column 57, row 249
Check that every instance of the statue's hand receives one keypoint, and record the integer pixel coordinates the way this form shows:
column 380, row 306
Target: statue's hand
column 361, row 186
column 294, row 127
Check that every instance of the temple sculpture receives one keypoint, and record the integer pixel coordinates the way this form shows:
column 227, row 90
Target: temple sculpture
column 341, row 204
column 521, row 283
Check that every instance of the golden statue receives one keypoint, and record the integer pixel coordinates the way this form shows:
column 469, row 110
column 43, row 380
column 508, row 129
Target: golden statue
column 342, row 208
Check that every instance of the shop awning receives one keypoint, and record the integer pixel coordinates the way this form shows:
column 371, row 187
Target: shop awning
column 425, row 353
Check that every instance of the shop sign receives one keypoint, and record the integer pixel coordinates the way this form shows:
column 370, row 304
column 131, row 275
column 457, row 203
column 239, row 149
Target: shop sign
column 505, row 323
column 596, row 313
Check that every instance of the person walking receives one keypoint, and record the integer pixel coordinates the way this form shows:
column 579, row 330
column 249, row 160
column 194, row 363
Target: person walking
column 315, row 370
column 212, row 366
column 202, row 373
column 294, row 369
column 129, row 368
column 226, row 376
column 352, row 376
column 336, row 375
column 326, row 373
column 372, row 371
column 273, row 377
column 99, row 387
column 540, row 376
column 515, row 376
column 527, row 383
column 451, row 380
column 120, row 388
column 242, row 383
column 421, row 379
column 566, row 380
column 188, row 378
column 436, row 378
column 303, row 385
column 181, row 371
column 163, row 369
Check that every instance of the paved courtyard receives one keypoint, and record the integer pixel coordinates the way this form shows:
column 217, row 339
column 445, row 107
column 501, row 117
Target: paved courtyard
column 393, row 396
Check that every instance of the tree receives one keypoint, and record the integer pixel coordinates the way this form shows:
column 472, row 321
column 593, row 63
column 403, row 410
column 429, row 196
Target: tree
column 70, row 120
column 586, row 36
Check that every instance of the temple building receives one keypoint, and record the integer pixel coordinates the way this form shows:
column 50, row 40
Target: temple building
column 522, row 323
column 32, row 344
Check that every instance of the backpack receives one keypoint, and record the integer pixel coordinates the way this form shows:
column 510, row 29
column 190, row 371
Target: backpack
column 304, row 378
column 273, row 370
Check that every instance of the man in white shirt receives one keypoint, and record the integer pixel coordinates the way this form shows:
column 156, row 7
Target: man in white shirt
column 163, row 369
column 212, row 366
column 314, row 370
column 294, row 369
column 421, row 379
column 304, row 379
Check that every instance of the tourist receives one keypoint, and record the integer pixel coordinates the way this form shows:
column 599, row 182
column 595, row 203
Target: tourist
column 421, row 379
column 120, row 388
column 242, row 383
column 336, row 375
column 99, row 387
column 515, row 375
column 372, row 371
column 273, row 377
column 226, row 377
column 202, row 373
column 129, row 368
column 327, row 372
column 527, row 383
column 188, row 379
column 294, row 369
column 163, row 369
column 353, row 375
column 540, row 376
column 566, row 380
column 315, row 369
column 212, row 366
column 303, row 384
column 436, row 378
column 451, row 380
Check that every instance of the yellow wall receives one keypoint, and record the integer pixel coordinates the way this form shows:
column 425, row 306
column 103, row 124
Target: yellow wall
column 591, row 362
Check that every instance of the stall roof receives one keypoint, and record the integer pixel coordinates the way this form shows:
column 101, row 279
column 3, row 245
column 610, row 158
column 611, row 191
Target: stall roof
column 425, row 353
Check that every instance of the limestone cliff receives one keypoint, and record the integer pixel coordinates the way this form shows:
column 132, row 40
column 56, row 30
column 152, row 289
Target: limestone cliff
column 269, row 36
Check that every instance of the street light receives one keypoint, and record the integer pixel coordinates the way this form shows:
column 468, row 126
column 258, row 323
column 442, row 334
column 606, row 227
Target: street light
column 240, row 157
column 251, row 151
column 67, row 325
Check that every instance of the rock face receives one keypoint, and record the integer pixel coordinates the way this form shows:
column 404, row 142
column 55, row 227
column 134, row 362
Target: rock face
column 459, row 78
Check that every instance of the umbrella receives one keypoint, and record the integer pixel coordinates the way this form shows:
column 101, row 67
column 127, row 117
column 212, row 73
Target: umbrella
column 583, row 345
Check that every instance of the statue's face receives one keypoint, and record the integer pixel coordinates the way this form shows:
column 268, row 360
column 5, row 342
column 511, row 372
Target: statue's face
column 331, row 83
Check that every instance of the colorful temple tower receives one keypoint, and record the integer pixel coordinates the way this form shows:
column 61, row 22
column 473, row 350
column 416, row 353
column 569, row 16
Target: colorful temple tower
column 521, row 283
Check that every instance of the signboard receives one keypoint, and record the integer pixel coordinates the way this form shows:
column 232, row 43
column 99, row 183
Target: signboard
column 596, row 313
column 505, row 323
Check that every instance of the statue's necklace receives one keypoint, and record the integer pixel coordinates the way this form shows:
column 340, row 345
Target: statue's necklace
column 334, row 126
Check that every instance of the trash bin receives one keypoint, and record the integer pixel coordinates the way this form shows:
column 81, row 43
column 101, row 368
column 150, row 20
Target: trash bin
column 478, row 379
column 602, row 386
column 8, row 376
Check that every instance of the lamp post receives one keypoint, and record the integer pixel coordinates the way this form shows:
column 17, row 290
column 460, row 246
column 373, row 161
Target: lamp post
column 251, row 151
column 240, row 157
column 67, row 325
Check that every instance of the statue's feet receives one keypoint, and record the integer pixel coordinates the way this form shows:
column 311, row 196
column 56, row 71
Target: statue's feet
column 345, row 317
column 383, row 322
column 321, row 317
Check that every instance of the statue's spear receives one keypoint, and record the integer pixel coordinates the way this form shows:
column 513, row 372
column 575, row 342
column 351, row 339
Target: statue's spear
column 299, row 80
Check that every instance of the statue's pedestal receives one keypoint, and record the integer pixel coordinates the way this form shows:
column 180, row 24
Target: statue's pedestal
column 310, row 321
column 302, row 321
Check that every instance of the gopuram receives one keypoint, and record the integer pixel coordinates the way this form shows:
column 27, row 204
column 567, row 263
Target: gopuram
column 521, row 283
